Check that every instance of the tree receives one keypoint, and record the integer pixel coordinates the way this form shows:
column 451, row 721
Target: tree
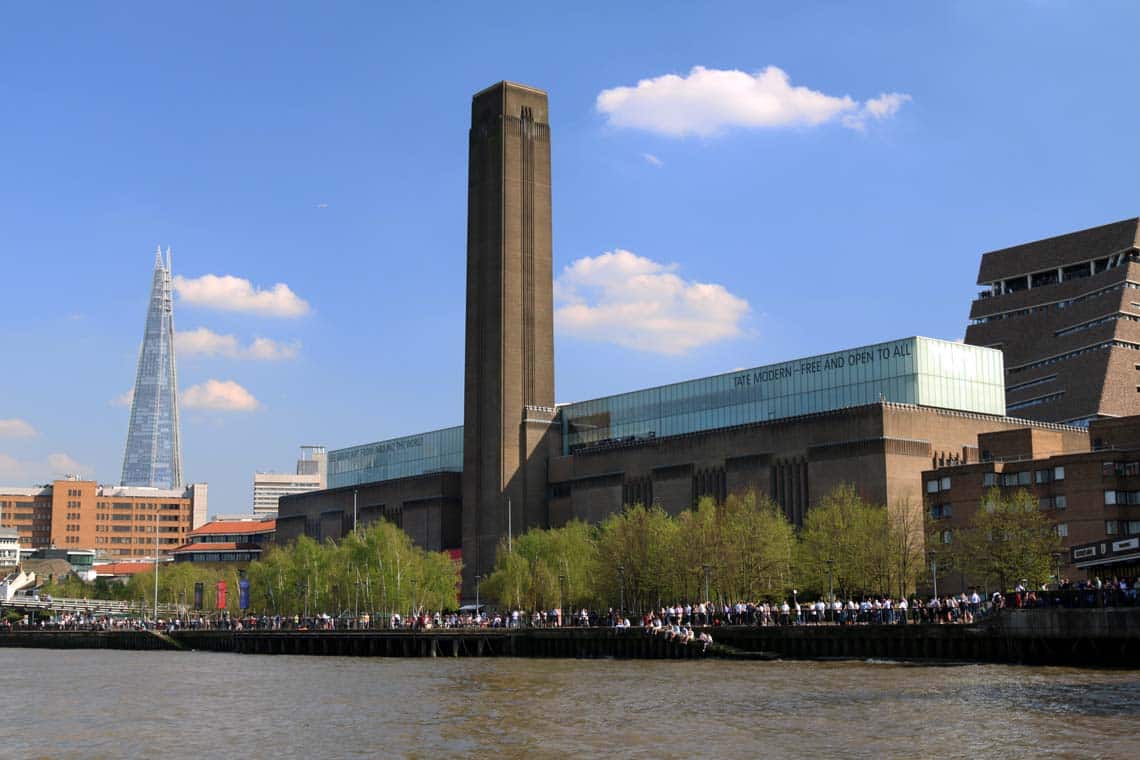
column 906, row 543
column 854, row 536
column 1007, row 540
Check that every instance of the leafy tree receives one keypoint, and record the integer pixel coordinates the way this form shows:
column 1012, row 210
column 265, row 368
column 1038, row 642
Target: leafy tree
column 1008, row 539
column 650, row 558
column 854, row 535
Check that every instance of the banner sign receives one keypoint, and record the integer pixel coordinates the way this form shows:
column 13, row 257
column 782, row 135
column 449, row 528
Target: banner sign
column 243, row 593
column 198, row 589
column 221, row 586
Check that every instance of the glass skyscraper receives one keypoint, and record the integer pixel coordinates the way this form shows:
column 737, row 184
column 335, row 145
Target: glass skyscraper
column 153, row 454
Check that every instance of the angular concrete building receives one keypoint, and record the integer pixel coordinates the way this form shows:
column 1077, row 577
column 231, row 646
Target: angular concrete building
column 1065, row 311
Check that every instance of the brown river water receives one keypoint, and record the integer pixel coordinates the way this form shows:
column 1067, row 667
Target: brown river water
column 108, row 704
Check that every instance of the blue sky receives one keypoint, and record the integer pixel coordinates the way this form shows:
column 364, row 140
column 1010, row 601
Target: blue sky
column 324, row 149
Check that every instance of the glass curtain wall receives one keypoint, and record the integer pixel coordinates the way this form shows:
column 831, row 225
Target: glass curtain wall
column 437, row 451
column 911, row 371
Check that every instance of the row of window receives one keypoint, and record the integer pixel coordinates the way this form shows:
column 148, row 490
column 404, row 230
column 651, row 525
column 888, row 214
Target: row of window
column 1023, row 478
column 1108, row 469
column 937, row 485
column 1036, row 401
column 1031, row 383
column 1104, row 346
column 223, row 557
column 1121, row 527
column 1121, row 497
column 1094, row 323
column 941, row 511
column 130, row 505
column 1064, row 304
column 1061, row 529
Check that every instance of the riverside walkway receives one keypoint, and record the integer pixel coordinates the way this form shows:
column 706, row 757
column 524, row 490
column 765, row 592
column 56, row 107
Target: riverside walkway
column 1100, row 637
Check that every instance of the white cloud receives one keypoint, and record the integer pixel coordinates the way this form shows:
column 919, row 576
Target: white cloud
column 124, row 399
column 62, row 464
column 708, row 101
column 635, row 302
column 652, row 160
column 204, row 342
column 26, row 472
column 219, row 395
column 16, row 428
column 12, row 471
column 229, row 293
column 876, row 109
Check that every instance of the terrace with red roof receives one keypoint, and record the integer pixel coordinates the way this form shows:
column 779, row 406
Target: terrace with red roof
column 227, row 541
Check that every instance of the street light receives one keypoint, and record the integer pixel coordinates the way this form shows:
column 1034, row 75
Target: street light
column 354, row 510
column 621, row 589
column 478, row 617
column 934, row 573
column 830, row 588
column 562, row 598
column 708, row 570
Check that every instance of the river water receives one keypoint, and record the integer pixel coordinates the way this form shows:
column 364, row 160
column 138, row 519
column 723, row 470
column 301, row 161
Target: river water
column 108, row 704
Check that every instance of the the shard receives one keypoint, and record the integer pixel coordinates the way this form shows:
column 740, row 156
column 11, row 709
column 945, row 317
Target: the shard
column 153, row 454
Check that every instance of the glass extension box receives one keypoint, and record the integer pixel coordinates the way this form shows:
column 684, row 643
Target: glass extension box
column 913, row 370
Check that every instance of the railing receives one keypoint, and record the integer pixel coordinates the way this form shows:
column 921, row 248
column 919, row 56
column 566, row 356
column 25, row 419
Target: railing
column 1074, row 598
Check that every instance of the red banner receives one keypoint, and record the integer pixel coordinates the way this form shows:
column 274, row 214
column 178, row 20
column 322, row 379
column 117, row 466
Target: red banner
column 221, row 595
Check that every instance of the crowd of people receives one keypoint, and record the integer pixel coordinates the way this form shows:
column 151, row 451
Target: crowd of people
column 680, row 621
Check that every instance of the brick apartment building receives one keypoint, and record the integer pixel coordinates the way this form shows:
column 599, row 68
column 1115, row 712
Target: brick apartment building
column 1091, row 493
column 115, row 521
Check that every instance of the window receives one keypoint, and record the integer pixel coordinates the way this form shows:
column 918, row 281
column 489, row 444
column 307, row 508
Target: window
column 1058, row 473
column 946, row 484
column 947, row 537
column 989, row 479
column 1109, row 498
column 1060, row 502
column 1110, row 525
column 932, row 486
column 1024, row 478
column 1062, row 530
column 940, row 511
column 1042, row 476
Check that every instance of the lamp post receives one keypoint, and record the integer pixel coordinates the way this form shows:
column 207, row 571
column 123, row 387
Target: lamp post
column 478, row 617
column 562, row 598
column 830, row 587
column 156, row 576
column 934, row 573
column 354, row 510
column 707, row 569
column 621, row 589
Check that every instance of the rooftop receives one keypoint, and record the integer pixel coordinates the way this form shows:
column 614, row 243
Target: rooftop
column 230, row 527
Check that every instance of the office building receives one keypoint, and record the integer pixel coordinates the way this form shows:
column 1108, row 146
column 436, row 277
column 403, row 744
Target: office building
column 1065, row 311
column 114, row 521
column 153, row 455
column 310, row 475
